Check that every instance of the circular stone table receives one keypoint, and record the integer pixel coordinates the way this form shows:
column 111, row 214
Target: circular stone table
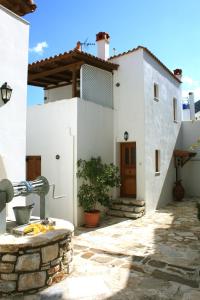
column 32, row 262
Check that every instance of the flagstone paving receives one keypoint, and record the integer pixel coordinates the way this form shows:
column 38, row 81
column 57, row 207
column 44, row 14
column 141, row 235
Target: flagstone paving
column 156, row 257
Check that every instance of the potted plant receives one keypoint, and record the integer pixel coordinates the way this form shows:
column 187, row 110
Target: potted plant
column 97, row 180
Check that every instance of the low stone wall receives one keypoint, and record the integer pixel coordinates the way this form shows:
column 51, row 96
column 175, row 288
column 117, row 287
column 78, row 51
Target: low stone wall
column 28, row 266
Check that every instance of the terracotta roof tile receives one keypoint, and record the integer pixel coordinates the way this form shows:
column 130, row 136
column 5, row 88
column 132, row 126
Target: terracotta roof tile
column 77, row 53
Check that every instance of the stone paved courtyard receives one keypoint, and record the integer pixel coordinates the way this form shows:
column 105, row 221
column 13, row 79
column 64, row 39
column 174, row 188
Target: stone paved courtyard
column 155, row 257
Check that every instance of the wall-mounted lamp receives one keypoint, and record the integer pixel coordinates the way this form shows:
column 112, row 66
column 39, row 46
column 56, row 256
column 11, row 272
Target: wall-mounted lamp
column 126, row 135
column 6, row 92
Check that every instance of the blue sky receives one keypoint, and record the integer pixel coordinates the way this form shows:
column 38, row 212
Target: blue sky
column 170, row 29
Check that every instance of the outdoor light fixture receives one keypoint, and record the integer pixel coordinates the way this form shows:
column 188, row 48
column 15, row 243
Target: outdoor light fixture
column 126, row 135
column 6, row 92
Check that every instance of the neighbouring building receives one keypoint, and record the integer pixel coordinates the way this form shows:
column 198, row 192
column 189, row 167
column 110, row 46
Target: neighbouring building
column 14, row 36
column 125, row 108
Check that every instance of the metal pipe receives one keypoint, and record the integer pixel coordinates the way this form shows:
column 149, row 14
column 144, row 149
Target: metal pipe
column 8, row 191
column 56, row 197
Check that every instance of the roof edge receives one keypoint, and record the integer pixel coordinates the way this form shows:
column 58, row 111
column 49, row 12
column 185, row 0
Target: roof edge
column 151, row 54
column 71, row 52
column 11, row 13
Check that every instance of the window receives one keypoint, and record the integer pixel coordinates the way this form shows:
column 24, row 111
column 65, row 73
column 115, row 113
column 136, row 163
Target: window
column 175, row 108
column 157, row 162
column 156, row 91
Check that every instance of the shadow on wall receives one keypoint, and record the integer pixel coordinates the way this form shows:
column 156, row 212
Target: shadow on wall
column 166, row 195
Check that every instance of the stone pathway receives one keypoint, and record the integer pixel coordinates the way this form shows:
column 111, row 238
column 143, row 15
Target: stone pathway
column 156, row 257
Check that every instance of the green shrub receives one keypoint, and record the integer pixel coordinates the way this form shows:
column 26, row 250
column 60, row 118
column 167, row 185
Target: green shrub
column 98, row 179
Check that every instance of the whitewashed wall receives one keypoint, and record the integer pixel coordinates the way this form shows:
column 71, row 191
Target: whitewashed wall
column 94, row 134
column 161, row 132
column 73, row 129
column 14, row 33
column 63, row 92
column 129, row 110
column 51, row 130
column 190, row 172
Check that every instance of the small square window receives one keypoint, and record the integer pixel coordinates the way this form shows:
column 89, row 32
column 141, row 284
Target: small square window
column 156, row 91
column 175, row 110
column 157, row 162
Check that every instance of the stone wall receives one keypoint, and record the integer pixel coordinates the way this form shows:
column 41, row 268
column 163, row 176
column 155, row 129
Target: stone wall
column 32, row 268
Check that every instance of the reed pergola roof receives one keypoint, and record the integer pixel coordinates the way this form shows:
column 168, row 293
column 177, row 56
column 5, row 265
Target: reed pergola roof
column 60, row 69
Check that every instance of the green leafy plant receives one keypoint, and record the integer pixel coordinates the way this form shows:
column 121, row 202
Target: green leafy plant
column 98, row 178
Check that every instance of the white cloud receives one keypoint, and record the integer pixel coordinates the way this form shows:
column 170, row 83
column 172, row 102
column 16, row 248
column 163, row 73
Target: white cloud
column 39, row 48
column 188, row 80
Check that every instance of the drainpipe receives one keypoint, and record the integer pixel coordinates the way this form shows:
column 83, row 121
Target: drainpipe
column 192, row 109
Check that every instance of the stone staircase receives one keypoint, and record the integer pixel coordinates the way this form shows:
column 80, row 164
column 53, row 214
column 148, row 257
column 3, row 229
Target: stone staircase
column 127, row 208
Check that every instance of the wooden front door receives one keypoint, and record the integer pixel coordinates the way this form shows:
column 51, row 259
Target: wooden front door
column 128, row 170
column 33, row 167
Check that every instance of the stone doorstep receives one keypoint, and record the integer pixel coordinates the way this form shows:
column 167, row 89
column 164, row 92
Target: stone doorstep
column 129, row 201
column 124, row 214
column 128, row 208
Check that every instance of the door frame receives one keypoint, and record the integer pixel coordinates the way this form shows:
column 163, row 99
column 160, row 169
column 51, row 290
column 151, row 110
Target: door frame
column 121, row 192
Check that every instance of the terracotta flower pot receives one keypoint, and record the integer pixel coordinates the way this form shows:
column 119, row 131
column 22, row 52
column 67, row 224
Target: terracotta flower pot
column 178, row 191
column 92, row 218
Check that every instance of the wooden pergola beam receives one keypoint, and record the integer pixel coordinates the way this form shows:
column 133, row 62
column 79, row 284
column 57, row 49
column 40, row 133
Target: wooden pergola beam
column 37, row 83
column 46, row 73
column 64, row 77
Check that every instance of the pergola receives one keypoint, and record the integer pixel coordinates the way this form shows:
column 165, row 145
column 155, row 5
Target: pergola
column 19, row 7
column 181, row 157
column 64, row 69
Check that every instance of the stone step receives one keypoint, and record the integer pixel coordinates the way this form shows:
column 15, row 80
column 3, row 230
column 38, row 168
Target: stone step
column 128, row 208
column 129, row 201
column 125, row 214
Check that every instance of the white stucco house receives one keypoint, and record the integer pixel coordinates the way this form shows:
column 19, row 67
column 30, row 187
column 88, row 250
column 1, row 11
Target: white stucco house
column 14, row 35
column 125, row 108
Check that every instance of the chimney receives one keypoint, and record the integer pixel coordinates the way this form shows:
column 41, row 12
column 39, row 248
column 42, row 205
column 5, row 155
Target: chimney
column 191, row 103
column 102, row 39
column 78, row 46
column 178, row 73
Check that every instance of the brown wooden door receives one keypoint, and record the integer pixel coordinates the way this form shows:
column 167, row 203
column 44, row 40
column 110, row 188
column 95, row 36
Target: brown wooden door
column 33, row 167
column 128, row 170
